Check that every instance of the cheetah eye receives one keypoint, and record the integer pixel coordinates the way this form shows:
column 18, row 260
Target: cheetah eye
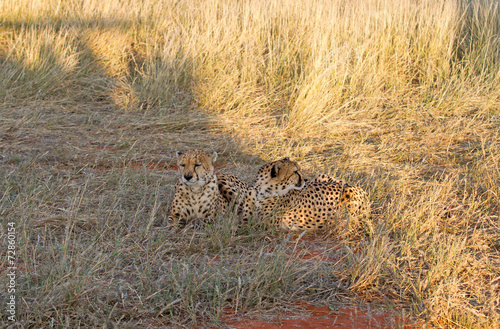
column 182, row 165
column 197, row 165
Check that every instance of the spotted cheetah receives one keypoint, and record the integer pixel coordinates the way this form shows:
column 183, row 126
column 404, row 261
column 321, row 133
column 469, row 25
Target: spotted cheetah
column 197, row 196
column 232, row 189
column 281, row 197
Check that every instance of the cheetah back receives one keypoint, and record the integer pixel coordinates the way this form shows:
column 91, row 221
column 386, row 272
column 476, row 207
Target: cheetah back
column 308, row 208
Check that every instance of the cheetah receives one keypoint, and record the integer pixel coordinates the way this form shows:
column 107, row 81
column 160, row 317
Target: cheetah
column 232, row 189
column 197, row 195
column 280, row 196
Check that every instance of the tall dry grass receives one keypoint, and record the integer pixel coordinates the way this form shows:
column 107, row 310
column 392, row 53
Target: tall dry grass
column 309, row 62
column 402, row 97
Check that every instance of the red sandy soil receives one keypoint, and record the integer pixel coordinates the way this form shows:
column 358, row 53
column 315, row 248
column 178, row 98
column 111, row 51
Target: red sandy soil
column 321, row 317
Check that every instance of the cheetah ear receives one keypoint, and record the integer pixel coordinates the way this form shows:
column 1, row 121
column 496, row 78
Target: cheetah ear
column 178, row 154
column 214, row 157
column 275, row 170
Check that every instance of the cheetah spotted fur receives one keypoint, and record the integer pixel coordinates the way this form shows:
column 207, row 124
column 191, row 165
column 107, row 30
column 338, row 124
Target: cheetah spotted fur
column 197, row 196
column 280, row 197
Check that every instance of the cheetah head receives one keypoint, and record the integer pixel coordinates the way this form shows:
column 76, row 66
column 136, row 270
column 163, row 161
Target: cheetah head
column 196, row 167
column 278, row 177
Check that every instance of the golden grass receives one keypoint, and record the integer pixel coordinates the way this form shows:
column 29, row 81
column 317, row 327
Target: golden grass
column 401, row 97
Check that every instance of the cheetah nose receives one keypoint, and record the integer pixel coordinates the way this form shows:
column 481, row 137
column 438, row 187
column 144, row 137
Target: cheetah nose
column 188, row 177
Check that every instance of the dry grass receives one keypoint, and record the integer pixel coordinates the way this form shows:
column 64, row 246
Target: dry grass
column 402, row 97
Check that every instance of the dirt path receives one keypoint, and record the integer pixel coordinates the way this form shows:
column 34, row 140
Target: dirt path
column 320, row 317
